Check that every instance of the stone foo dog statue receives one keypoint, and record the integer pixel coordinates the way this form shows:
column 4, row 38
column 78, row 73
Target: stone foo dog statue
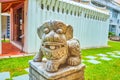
column 58, row 45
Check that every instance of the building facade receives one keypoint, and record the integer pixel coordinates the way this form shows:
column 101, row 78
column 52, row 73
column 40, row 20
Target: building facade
column 114, row 7
column 90, row 24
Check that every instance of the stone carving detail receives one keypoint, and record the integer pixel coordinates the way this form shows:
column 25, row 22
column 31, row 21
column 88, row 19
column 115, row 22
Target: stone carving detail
column 57, row 45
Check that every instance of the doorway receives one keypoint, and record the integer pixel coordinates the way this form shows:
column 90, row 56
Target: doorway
column 15, row 22
column 18, row 30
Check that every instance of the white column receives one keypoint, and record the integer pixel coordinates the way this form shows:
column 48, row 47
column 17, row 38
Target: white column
column 0, row 30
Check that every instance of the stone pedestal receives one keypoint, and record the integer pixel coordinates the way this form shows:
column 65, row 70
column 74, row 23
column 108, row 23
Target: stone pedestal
column 38, row 72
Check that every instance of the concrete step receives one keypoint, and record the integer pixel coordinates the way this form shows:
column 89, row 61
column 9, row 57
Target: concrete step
column 22, row 77
column 4, row 75
column 27, row 69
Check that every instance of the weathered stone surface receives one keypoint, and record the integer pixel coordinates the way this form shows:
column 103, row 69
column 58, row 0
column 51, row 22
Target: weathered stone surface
column 106, row 58
column 103, row 55
column 115, row 56
column 91, row 57
column 115, row 38
column 93, row 61
column 58, row 45
column 62, row 52
column 4, row 75
column 38, row 72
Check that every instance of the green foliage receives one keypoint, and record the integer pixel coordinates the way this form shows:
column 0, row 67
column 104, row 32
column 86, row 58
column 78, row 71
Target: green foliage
column 9, row 79
column 106, row 70
column 15, row 66
column 7, row 40
column 111, row 34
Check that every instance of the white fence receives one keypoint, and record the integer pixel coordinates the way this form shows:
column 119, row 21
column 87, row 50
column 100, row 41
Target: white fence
column 90, row 25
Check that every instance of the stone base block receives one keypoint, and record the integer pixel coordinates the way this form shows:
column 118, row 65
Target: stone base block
column 38, row 72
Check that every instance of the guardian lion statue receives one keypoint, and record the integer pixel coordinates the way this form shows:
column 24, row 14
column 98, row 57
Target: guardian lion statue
column 57, row 45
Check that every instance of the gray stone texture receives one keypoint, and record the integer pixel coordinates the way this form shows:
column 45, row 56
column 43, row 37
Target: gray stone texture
column 4, row 75
column 103, row 55
column 58, row 45
column 38, row 72
column 106, row 58
column 93, row 61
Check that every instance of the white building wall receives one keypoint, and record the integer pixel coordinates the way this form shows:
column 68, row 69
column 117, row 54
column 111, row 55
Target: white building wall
column 0, row 30
column 92, row 30
column 118, row 25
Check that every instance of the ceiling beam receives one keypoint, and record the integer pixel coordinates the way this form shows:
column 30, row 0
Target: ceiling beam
column 7, row 7
column 4, row 1
column 7, row 3
column 7, row 0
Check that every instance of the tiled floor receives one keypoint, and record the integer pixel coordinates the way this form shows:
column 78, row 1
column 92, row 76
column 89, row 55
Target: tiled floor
column 8, row 50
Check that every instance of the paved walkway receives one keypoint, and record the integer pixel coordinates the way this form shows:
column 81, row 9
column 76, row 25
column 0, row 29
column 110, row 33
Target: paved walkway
column 8, row 49
column 96, row 59
column 22, row 77
column 6, row 75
